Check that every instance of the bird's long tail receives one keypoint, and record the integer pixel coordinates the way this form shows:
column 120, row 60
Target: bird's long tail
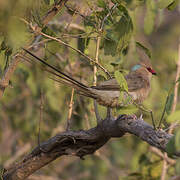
column 64, row 78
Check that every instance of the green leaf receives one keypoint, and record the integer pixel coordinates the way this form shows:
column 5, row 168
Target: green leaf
column 121, row 97
column 8, row 52
column 3, row 46
column 173, row 145
column 47, row 2
column 170, row 147
column 164, row 3
column 102, row 73
column 121, row 81
column 18, row 34
column 110, row 47
column 55, row 2
column 173, row 5
column 118, row 32
column 178, row 80
column 131, row 109
column 177, row 140
column 169, row 103
column 145, row 49
column 149, row 17
column 101, row 4
column 127, row 100
column 173, row 117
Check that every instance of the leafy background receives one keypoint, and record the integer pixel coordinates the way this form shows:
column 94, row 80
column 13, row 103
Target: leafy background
column 134, row 29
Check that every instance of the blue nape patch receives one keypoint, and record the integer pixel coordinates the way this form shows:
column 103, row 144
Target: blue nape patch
column 134, row 68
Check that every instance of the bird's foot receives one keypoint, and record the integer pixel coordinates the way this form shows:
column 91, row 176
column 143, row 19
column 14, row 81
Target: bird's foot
column 98, row 117
column 109, row 115
column 133, row 116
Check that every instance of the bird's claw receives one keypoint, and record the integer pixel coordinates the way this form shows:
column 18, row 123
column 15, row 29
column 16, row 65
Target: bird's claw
column 109, row 113
column 133, row 116
column 141, row 117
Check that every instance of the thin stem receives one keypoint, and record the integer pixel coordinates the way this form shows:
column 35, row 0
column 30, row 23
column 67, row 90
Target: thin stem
column 98, row 118
column 164, row 169
column 109, row 14
column 161, row 155
column 165, row 164
column 38, row 30
column 164, row 110
column 176, row 87
column 41, row 117
column 4, row 82
column 77, row 50
column 70, row 110
column 96, row 59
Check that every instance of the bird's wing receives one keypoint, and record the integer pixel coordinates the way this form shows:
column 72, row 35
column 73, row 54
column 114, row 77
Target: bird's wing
column 134, row 80
column 109, row 85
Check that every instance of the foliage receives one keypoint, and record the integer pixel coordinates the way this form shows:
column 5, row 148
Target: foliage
column 125, row 27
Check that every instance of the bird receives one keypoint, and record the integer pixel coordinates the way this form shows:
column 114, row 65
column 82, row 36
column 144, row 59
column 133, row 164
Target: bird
column 107, row 93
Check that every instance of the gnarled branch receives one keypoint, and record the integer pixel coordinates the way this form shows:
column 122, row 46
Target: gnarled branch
column 84, row 142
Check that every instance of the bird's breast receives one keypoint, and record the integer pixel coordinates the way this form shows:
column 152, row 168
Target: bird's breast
column 140, row 95
column 112, row 98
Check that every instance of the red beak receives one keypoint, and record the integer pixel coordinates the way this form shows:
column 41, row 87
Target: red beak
column 153, row 72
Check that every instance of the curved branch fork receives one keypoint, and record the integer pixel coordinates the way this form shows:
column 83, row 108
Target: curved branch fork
column 84, row 142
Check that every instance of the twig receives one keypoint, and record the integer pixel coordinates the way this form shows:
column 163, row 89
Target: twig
column 98, row 118
column 86, row 18
column 96, row 59
column 165, row 164
column 160, row 154
column 176, row 86
column 77, row 50
column 87, row 121
column 41, row 117
column 70, row 111
column 164, row 110
column 53, row 11
column 109, row 14
column 4, row 82
column 38, row 30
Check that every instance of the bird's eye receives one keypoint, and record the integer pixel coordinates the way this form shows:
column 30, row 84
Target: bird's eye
column 149, row 69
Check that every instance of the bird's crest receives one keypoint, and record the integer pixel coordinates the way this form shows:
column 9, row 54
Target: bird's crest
column 136, row 67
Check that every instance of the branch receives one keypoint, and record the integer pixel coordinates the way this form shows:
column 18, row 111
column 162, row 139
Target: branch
column 53, row 11
column 84, row 142
column 165, row 164
column 77, row 50
column 4, row 82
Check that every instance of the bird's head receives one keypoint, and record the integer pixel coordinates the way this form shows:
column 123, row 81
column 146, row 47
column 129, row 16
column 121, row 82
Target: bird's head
column 146, row 65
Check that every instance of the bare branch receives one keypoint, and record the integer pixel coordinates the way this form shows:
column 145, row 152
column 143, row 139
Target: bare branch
column 165, row 163
column 84, row 142
column 70, row 110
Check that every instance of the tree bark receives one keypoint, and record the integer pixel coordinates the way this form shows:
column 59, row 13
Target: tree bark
column 84, row 142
